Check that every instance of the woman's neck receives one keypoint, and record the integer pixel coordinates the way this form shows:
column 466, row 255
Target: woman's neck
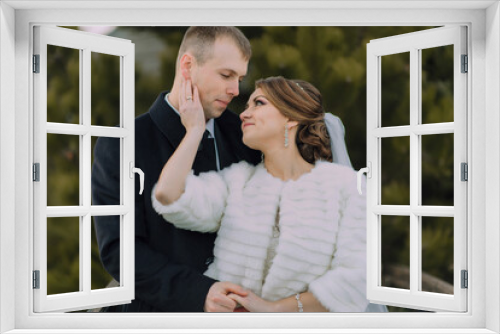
column 286, row 164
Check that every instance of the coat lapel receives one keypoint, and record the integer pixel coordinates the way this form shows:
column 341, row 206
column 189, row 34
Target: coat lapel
column 170, row 125
column 167, row 120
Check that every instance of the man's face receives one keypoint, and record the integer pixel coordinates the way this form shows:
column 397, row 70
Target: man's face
column 218, row 78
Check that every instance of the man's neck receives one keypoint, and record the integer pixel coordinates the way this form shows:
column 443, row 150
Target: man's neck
column 209, row 124
column 173, row 99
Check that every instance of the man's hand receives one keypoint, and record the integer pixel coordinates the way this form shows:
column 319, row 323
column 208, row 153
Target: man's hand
column 217, row 299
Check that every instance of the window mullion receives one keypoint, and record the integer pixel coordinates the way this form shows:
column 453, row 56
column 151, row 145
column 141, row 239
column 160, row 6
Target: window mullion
column 85, row 167
column 418, row 166
column 86, row 274
column 415, row 244
column 85, row 97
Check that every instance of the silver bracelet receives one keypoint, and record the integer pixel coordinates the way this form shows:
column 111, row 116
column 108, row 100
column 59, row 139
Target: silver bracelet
column 299, row 303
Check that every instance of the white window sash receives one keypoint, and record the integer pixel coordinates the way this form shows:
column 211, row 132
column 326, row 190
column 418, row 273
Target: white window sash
column 87, row 43
column 413, row 43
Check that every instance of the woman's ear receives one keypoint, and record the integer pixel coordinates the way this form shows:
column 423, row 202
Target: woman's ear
column 186, row 63
column 292, row 124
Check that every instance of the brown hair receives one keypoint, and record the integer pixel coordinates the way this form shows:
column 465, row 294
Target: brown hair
column 300, row 101
column 199, row 40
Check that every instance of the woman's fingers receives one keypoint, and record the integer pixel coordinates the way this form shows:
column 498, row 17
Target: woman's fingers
column 238, row 299
column 188, row 90
column 235, row 297
column 227, row 303
column 196, row 96
column 235, row 288
column 182, row 94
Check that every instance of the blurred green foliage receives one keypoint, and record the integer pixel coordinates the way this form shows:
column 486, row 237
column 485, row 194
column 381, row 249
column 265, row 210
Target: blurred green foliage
column 437, row 247
column 63, row 264
column 331, row 58
column 105, row 89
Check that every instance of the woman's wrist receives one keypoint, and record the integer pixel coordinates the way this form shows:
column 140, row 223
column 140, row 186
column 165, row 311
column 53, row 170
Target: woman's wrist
column 283, row 305
column 275, row 307
column 195, row 132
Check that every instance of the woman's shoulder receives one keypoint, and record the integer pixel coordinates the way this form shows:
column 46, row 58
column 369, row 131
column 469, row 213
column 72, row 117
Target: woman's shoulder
column 335, row 170
column 240, row 171
column 335, row 175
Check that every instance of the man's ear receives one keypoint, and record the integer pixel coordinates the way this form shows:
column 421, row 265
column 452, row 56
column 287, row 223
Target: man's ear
column 186, row 64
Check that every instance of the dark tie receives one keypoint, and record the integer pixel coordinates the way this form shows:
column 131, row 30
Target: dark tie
column 205, row 158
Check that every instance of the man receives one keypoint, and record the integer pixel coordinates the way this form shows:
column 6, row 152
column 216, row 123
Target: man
column 169, row 263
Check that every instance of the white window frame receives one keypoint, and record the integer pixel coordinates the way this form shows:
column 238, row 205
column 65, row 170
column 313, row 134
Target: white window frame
column 483, row 21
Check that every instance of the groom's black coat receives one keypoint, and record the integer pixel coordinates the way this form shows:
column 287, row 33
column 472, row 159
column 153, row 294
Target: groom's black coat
column 169, row 262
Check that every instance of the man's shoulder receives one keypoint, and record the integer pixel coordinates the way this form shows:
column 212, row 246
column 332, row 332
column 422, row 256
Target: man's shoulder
column 143, row 119
column 143, row 125
column 146, row 118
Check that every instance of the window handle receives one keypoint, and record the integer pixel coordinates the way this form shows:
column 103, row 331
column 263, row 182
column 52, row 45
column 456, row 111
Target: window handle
column 368, row 171
column 141, row 175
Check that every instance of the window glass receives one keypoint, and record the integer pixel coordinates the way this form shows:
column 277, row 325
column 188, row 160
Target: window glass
column 437, row 254
column 395, row 251
column 395, row 176
column 63, row 170
column 395, row 89
column 101, row 279
column 112, row 193
column 105, row 89
column 63, row 85
column 63, row 255
column 437, row 169
column 437, row 84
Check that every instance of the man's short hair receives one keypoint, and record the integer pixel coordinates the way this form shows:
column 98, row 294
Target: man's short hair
column 200, row 40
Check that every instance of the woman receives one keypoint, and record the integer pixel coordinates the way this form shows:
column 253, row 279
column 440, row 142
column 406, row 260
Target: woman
column 291, row 230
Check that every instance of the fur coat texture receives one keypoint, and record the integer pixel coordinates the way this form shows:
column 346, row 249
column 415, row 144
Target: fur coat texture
column 322, row 221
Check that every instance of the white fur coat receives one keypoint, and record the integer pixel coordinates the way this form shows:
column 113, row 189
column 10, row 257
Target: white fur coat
column 322, row 244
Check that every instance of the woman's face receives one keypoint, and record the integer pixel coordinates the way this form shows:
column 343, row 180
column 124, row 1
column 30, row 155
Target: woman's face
column 262, row 123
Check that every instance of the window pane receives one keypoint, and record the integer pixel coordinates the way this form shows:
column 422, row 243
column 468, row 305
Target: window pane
column 437, row 84
column 395, row 94
column 437, row 169
column 106, row 180
column 395, row 171
column 437, row 254
column 63, row 255
column 395, row 251
column 105, row 90
column 110, row 225
column 63, row 166
column 63, row 84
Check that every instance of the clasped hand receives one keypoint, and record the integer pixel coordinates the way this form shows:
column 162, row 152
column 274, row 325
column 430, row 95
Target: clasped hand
column 190, row 108
column 225, row 297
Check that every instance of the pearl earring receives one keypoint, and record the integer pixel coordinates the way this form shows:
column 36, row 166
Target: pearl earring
column 286, row 135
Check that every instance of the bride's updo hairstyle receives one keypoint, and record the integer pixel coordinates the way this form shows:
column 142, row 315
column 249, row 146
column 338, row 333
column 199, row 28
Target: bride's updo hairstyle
column 300, row 101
